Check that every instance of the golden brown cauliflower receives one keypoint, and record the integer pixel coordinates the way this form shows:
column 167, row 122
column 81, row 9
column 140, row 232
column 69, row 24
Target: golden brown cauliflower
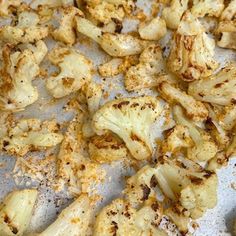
column 5, row 6
column 131, row 120
column 216, row 89
column 75, row 71
column 145, row 73
column 192, row 51
column 19, row 69
column 51, row 3
column 27, row 29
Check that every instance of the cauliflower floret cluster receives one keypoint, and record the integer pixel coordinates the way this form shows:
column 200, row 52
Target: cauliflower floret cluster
column 75, row 71
column 120, row 218
column 28, row 135
column 216, row 89
column 131, row 120
column 192, row 51
column 145, row 73
column 27, row 29
column 19, row 69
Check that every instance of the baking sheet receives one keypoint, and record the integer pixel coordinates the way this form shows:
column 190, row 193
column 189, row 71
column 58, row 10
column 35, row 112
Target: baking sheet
column 217, row 222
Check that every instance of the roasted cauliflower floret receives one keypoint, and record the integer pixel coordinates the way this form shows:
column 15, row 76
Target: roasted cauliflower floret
column 217, row 89
column 5, row 6
column 75, row 71
column 145, row 73
column 16, row 211
column 65, row 32
column 207, row 7
column 73, row 220
column 220, row 160
column 195, row 188
column 116, row 45
column 27, row 29
column 28, row 135
column 194, row 109
column 131, row 120
column 172, row 14
column 204, row 147
column 192, row 51
column 229, row 12
column 19, row 69
column 176, row 139
column 231, row 149
column 107, row 148
column 228, row 118
column 51, row 3
column 120, row 218
column 110, row 68
column 154, row 29
column 76, row 170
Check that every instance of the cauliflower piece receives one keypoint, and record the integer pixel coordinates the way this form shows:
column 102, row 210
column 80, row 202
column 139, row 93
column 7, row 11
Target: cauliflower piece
column 194, row 109
column 172, row 14
column 183, row 180
column 145, row 73
column 229, row 12
column 204, row 148
column 19, row 69
column 73, row 220
column 110, row 68
column 180, row 217
column 51, row 3
column 217, row 89
column 65, row 32
column 27, row 29
column 106, row 148
column 176, row 139
column 5, row 6
column 76, row 171
column 16, row 211
column 231, row 150
column 192, row 51
column 29, row 135
column 207, row 7
column 154, row 29
column 131, row 120
column 227, row 32
column 75, row 71
column 218, row 161
column 116, row 45
column 228, row 118
column 120, row 218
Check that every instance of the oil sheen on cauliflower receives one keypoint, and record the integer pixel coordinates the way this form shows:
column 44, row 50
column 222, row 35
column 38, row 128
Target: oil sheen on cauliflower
column 16, row 211
column 27, row 29
column 192, row 51
column 120, row 218
column 131, row 120
column 28, row 135
column 186, row 182
column 19, row 69
column 216, row 89
column 145, row 73
column 75, row 71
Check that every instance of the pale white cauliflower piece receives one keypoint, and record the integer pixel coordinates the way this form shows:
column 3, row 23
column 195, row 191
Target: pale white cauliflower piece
column 107, row 148
column 65, row 32
column 51, row 3
column 186, row 182
column 27, row 29
column 120, row 218
column 116, row 45
column 131, row 120
column 204, row 147
column 216, row 89
column 192, row 51
column 19, row 69
column 145, row 73
column 228, row 118
column 172, row 14
column 6, row 4
column 76, row 170
column 75, row 71
column 194, row 109
column 73, row 220
column 207, row 7
column 154, row 29
column 28, row 135
column 16, row 211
